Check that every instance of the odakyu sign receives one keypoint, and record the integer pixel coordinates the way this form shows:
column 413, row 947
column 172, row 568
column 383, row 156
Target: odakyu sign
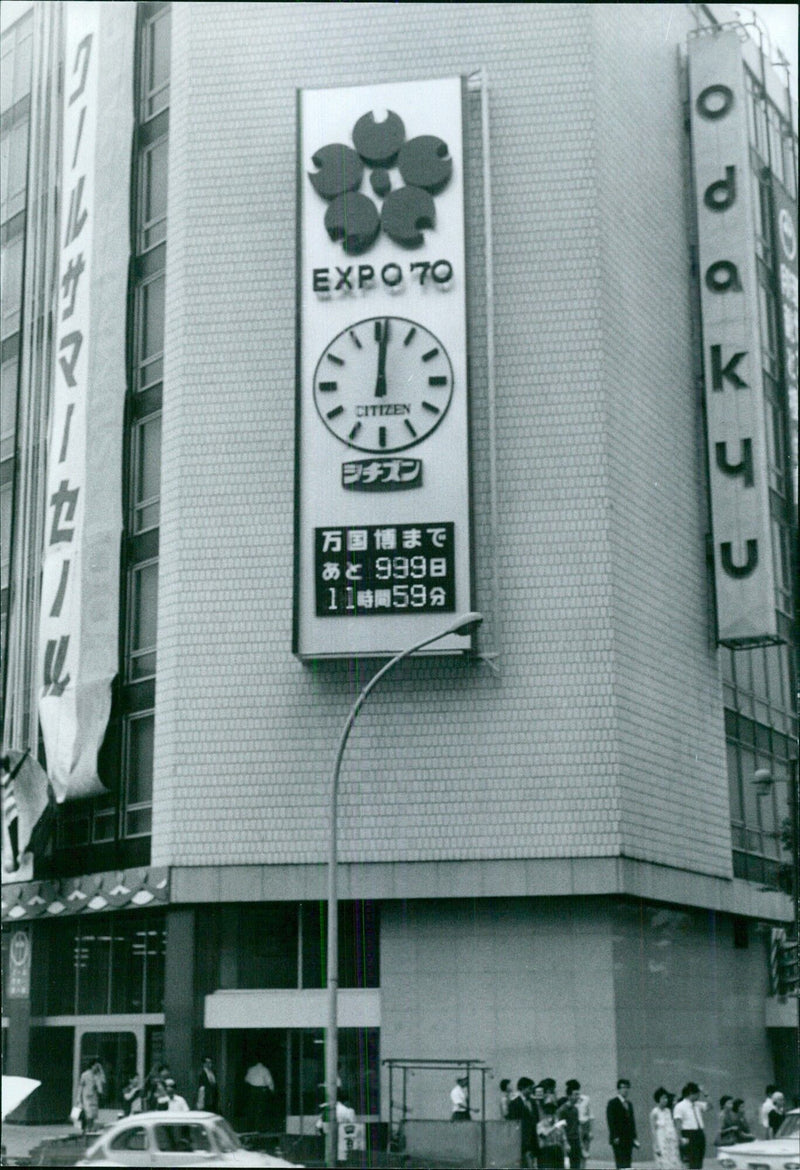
column 78, row 629
column 382, row 515
column 734, row 392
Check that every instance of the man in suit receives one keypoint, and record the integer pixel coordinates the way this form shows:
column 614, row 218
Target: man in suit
column 522, row 1108
column 621, row 1125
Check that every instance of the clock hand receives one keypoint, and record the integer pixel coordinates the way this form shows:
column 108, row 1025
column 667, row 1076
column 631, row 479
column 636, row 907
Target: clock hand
column 382, row 337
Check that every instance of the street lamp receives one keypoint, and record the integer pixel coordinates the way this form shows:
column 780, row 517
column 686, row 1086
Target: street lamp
column 464, row 624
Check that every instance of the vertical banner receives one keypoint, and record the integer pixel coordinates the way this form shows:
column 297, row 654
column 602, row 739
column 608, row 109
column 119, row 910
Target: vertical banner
column 78, row 641
column 734, row 394
column 382, row 509
column 784, row 211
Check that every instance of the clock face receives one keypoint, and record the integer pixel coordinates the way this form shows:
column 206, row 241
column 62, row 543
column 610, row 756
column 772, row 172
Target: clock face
column 383, row 384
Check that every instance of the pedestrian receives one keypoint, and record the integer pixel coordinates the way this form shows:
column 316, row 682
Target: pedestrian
column 522, row 1108
column 622, row 1125
column 175, row 1103
column 728, row 1123
column 207, row 1087
column 743, row 1131
column 260, row 1089
column 552, row 1138
column 568, row 1113
column 586, row 1118
column 662, row 1129
column 764, row 1111
column 688, row 1116
column 150, row 1088
column 345, row 1126
column 132, row 1095
column 505, row 1094
column 548, row 1085
column 88, row 1100
column 776, row 1114
column 459, row 1100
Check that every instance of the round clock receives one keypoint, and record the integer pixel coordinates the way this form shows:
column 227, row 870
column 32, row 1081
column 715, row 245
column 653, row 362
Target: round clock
column 383, row 384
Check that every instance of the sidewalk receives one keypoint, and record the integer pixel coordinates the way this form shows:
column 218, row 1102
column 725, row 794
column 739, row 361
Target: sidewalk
column 19, row 1140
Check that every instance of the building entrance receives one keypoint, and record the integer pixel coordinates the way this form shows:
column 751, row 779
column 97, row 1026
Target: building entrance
column 120, row 1050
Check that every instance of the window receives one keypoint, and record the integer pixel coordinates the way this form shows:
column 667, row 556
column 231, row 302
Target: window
column 13, row 170
column 8, row 407
column 147, row 473
column 143, row 602
column 16, row 54
column 358, row 944
column 11, row 288
column 154, row 194
column 131, row 1139
column 775, row 143
column 123, row 953
column 155, row 88
column 268, row 946
column 139, row 775
column 6, row 496
column 359, row 1063
column 151, row 332
column 757, row 112
column 177, row 1139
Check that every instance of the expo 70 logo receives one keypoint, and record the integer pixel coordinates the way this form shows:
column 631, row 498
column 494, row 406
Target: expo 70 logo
column 352, row 217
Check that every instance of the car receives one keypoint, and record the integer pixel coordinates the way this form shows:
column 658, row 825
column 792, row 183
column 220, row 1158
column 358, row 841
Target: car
column 779, row 1153
column 161, row 1138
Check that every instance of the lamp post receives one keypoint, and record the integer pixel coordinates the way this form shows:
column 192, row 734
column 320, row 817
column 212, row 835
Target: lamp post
column 464, row 624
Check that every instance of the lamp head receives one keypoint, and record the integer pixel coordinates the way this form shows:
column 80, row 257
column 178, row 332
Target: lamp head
column 762, row 779
column 466, row 623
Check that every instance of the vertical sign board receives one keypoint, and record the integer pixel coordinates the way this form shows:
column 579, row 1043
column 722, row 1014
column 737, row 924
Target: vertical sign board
column 784, row 212
column 19, row 966
column 734, row 396
column 382, row 510
column 78, row 635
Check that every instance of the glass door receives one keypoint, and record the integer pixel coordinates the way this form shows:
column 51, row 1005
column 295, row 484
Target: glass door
column 120, row 1051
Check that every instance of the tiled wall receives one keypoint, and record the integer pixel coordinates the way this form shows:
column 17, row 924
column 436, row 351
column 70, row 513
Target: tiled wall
column 606, row 697
column 591, row 988
column 524, row 985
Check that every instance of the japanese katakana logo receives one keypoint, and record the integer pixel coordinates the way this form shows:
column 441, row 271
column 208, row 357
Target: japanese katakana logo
column 355, row 218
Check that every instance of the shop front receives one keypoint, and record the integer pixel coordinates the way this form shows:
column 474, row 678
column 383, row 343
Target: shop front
column 284, row 1032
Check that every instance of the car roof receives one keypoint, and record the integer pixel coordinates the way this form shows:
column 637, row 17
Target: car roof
column 167, row 1115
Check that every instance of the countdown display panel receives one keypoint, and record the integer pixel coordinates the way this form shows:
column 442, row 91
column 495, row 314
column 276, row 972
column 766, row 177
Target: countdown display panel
column 395, row 569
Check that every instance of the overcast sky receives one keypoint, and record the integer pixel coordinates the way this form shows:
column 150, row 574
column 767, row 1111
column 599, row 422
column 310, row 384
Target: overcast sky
column 781, row 24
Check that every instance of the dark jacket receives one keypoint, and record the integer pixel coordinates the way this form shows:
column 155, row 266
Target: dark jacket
column 621, row 1123
column 527, row 1114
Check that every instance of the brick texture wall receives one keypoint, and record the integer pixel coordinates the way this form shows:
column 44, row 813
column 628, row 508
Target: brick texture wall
column 606, row 701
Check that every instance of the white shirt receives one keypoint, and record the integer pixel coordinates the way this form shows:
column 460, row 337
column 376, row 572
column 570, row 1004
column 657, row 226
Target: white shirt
column 689, row 1114
column 584, row 1109
column 763, row 1115
column 458, row 1097
column 177, row 1104
column 259, row 1076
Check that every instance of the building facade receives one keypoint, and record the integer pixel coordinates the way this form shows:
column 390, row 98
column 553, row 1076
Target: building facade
column 553, row 857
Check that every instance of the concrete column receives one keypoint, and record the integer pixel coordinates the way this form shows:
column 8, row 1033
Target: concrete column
column 180, row 1023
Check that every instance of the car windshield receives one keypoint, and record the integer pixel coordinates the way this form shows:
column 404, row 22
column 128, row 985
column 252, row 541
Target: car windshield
column 226, row 1138
column 790, row 1126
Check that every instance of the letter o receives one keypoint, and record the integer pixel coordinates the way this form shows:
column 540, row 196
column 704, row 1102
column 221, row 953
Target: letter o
column 397, row 274
column 723, row 276
column 712, row 113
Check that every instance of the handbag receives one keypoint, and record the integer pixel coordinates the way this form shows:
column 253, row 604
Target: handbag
column 76, row 1116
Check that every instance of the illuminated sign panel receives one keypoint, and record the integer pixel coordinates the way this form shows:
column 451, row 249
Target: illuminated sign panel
column 734, row 396
column 383, row 526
